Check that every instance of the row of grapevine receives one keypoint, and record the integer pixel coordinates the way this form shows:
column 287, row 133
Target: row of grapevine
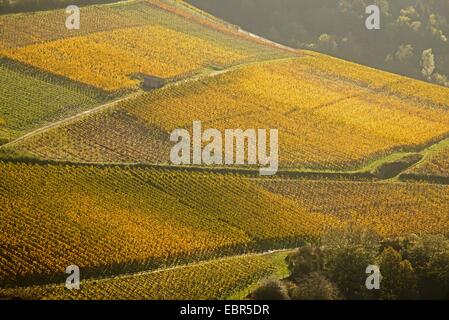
column 30, row 100
column 391, row 209
column 110, row 219
column 421, row 92
column 129, row 34
column 122, row 138
column 435, row 162
column 216, row 279
column 322, row 124
column 107, row 59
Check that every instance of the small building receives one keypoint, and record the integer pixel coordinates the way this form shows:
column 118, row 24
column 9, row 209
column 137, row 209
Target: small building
column 152, row 82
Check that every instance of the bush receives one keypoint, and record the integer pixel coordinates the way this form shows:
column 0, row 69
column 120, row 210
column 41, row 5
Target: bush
column 315, row 286
column 410, row 266
column 429, row 256
column 304, row 261
column 399, row 280
column 271, row 289
column 347, row 270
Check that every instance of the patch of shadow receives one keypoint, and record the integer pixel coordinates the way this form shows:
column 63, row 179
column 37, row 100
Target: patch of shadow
column 392, row 169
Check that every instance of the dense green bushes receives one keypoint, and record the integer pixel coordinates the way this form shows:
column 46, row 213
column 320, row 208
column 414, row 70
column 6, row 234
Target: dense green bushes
column 413, row 39
column 411, row 268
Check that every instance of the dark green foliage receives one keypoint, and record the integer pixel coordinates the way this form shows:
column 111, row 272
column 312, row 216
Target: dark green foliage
column 304, row 261
column 399, row 280
column 429, row 256
column 314, row 286
column 411, row 267
column 271, row 289
column 11, row 6
column 347, row 268
column 408, row 28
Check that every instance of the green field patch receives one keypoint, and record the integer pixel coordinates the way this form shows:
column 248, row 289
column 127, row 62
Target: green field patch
column 30, row 99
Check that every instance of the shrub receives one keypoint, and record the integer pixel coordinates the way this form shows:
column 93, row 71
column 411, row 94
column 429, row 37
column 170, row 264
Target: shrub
column 347, row 270
column 429, row 256
column 271, row 289
column 399, row 280
column 315, row 286
column 304, row 261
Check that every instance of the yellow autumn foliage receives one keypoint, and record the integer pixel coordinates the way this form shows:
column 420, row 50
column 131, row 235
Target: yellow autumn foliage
column 107, row 60
column 390, row 209
column 216, row 279
column 136, row 219
column 322, row 123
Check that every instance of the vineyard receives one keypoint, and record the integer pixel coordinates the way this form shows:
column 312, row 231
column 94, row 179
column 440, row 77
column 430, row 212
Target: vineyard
column 123, row 138
column 107, row 56
column 139, row 218
column 85, row 172
column 423, row 93
column 136, row 218
column 390, row 209
column 184, row 283
column 106, row 59
column 435, row 163
column 315, row 115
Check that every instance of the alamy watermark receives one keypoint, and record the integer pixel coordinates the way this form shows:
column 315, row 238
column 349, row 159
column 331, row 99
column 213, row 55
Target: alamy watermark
column 73, row 21
column 372, row 22
column 373, row 280
column 189, row 150
column 73, row 280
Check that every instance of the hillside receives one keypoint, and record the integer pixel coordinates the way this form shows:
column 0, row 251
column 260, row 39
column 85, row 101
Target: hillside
column 86, row 178
column 410, row 31
column 121, row 40
column 184, row 282
column 314, row 102
column 75, row 70
column 434, row 166
column 112, row 220
column 30, row 99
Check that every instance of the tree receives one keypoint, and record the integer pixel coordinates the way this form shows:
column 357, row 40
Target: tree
column 427, row 64
column 347, row 270
column 304, row 261
column 403, row 60
column 315, row 286
column 430, row 258
column 399, row 280
column 437, row 277
column 338, row 28
column 440, row 79
column 271, row 289
column 326, row 43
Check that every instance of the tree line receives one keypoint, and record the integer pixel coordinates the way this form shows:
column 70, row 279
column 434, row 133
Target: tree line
column 412, row 40
column 14, row 6
column 409, row 267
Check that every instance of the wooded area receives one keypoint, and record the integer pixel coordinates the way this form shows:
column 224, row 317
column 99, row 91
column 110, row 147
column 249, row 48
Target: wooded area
column 412, row 40
column 13, row 6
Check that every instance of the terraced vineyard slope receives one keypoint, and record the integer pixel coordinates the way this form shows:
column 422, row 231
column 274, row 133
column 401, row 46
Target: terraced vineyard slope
column 435, row 165
column 109, row 219
column 390, row 208
column 188, row 282
column 326, row 119
column 119, row 42
column 30, row 99
column 85, row 176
